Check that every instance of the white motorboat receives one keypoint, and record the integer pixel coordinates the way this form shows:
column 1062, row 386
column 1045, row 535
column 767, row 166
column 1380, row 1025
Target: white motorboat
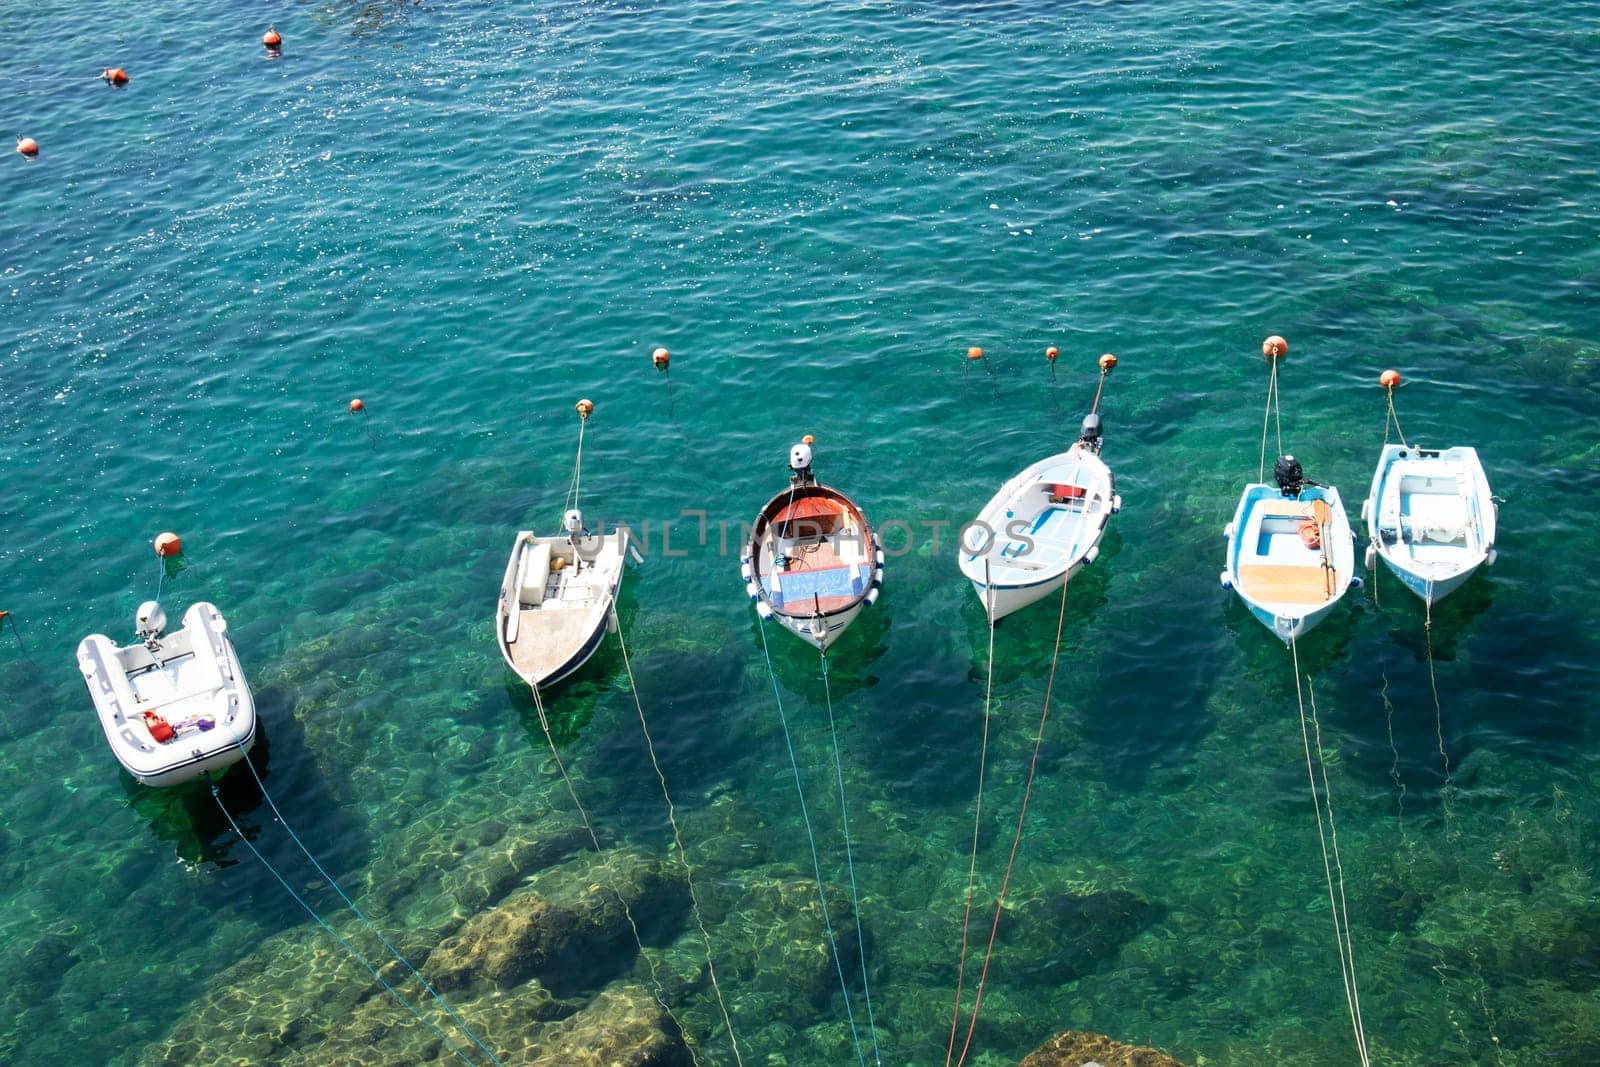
column 1291, row 552
column 173, row 706
column 812, row 562
column 556, row 599
column 1042, row 527
column 1430, row 517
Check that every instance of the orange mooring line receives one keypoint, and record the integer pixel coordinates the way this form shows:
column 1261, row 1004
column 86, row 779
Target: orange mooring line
column 1016, row 840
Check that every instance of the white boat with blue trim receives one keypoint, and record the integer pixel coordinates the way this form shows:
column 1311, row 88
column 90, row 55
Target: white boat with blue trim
column 1042, row 527
column 1291, row 552
column 172, row 706
column 1430, row 517
column 813, row 562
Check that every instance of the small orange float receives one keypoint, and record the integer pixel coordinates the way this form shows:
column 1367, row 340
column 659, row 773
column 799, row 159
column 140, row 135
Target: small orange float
column 661, row 358
column 974, row 352
column 272, row 38
column 168, row 545
column 114, row 76
column 1107, row 361
column 585, row 409
column 1274, row 347
column 356, row 406
column 1389, row 379
column 27, row 146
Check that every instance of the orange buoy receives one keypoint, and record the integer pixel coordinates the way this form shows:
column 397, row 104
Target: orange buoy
column 356, row 406
column 272, row 38
column 1389, row 379
column 661, row 358
column 585, row 408
column 167, row 545
column 1274, row 347
column 1107, row 361
column 974, row 352
column 1051, row 353
column 114, row 76
column 27, row 146
column 808, row 440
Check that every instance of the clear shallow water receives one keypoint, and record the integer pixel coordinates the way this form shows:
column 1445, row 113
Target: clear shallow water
column 470, row 216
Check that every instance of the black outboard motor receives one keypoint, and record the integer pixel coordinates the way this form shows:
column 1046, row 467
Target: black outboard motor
column 1089, row 435
column 1289, row 475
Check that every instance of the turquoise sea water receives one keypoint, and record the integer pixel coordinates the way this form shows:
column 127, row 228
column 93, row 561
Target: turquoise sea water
column 472, row 214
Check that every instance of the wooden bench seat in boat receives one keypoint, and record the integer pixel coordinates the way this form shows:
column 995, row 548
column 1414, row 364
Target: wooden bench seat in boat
column 1284, row 583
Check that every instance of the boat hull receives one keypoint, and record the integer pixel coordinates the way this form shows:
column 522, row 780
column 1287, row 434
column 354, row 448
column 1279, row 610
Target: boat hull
column 552, row 616
column 1030, row 539
column 1430, row 517
column 193, row 676
column 1289, row 585
column 813, row 563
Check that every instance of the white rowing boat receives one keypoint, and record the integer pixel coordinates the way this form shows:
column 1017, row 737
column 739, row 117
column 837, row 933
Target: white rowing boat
column 1042, row 527
column 1430, row 517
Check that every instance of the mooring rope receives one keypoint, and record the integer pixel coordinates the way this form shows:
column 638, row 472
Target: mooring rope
column 850, row 862
column 1016, row 840
column 326, row 877
column 977, row 816
column 348, row 947
column 1438, row 714
column 660, row 993
column 1336, row 907
column 816, row 865
column 1393, row 417
column 577, row 468
column 683, row 856
column 1266, row 418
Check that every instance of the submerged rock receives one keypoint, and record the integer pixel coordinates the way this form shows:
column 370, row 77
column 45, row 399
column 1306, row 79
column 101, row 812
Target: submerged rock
column 572, row 929
column 1081, row 1048
column 1070, row 935
column 622, row 1027
column 780, row 960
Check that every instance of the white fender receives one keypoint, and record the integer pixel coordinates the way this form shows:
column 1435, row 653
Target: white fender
column 1224, row 579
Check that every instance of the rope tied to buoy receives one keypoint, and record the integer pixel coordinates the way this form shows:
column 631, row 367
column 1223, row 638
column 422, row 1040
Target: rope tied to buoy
column 585, row 408
column 659, row 993
column 1107, row 362
column 816, row 864
column 320, row 921
column 677, row 838
column 1337, row 907
column 1272, row 349
column 1390, row 380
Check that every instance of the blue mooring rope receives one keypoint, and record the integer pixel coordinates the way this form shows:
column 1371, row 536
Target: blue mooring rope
column 331, row 931
column 326, row 877
column 816, row 865
column 850, row 862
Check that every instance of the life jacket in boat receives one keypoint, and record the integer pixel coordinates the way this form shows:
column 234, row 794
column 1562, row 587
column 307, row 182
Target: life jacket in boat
column 159, row 728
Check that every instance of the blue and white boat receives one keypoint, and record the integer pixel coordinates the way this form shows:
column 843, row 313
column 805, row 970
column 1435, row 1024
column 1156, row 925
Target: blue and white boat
column 1041, row 528
column 813, row 561
column 1430, row 517
column 1291, row 552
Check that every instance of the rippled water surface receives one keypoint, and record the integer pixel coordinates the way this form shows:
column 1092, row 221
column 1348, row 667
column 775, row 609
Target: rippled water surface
column 470, row 215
